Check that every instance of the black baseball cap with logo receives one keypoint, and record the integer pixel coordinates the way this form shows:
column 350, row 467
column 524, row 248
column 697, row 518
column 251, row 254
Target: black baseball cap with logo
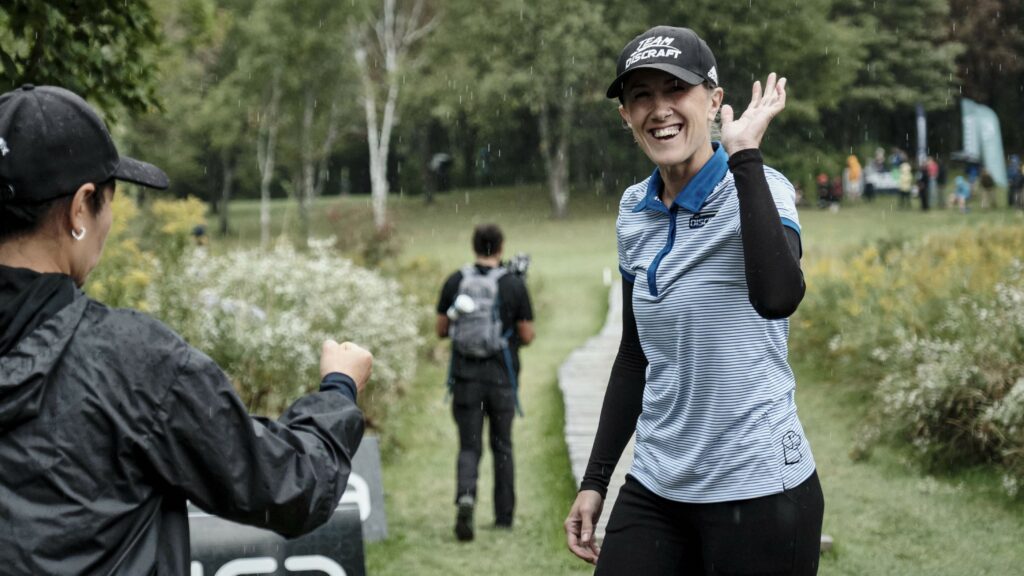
column 52, row 142
column 678, row 51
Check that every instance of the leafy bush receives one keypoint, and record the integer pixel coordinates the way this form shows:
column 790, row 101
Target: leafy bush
column 858, row 304
column 958, row 395
column 260, row 316
column 937, row 326
column 125, row 271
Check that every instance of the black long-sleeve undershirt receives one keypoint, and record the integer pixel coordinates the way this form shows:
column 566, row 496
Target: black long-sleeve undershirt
column 771, row 251
column 775, row 287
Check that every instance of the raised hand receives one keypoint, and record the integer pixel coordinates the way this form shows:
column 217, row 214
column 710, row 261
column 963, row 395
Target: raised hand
column 347, row 358
column 747, row 131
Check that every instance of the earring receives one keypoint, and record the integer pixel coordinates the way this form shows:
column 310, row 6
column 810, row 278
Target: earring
column 78, row 234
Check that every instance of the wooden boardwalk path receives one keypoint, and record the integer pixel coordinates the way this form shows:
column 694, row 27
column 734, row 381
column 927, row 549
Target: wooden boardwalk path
column 583, row 379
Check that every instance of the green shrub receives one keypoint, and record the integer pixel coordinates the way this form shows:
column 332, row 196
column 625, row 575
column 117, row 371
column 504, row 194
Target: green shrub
column 262, row 317
column 936, row 327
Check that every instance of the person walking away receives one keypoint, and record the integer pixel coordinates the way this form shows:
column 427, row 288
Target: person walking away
column 109, row 421
column 723, row 480
column 485, row 309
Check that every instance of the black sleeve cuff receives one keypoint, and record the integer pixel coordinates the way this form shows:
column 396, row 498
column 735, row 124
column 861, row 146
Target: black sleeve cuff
column 745, row 156
column 599, row 486
column 340, row 383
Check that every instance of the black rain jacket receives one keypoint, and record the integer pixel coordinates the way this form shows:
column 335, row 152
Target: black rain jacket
column 109, row 421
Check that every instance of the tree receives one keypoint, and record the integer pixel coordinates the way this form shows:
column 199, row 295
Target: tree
column 385, row 38
column 266, row 149
column 199, row 135
column 532, row 55
column 905, row 58
column 991, row 67
column 98, row 49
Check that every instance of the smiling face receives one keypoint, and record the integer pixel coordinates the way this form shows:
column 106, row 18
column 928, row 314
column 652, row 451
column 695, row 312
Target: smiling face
column 670, row 119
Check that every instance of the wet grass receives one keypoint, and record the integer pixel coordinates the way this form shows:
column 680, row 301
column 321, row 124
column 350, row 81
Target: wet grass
column 887, row 516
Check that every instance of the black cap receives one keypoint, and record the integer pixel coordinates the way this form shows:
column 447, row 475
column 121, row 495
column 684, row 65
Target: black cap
column 678, row 51
column 52, row 142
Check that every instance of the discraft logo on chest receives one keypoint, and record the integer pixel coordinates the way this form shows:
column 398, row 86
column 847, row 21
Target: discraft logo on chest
column 699, row 219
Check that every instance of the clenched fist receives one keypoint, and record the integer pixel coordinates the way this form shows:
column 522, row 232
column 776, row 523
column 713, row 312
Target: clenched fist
column 347, row 358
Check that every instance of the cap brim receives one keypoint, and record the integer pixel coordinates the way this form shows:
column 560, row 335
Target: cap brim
column 142, row 173
column 615, row 90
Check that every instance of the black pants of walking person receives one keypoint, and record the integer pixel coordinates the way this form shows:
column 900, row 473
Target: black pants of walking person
column 472, row 402
column 770, row 536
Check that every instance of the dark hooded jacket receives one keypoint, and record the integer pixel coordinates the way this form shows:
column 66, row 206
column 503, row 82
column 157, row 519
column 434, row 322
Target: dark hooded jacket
column 109, row 422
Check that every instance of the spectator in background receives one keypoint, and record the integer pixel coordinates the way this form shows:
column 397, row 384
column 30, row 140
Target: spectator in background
column 823, row 190
column 906, row 182
column 1016, row 182
column 961, row 194
column 441, row 167
column 835, row 193
column 988, row 189
column 853, row 177
column 896, row 158
column 971, row 172
column 922, row 186
column 931, row 170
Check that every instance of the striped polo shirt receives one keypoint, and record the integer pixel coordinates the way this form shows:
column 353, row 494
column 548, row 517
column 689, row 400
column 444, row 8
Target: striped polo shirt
column 719, row 420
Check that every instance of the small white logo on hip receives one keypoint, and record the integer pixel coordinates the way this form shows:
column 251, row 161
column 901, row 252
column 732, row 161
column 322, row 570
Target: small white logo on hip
column 4, row 150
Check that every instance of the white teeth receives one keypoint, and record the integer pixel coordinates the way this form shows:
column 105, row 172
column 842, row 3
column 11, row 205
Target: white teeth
column 666, row 132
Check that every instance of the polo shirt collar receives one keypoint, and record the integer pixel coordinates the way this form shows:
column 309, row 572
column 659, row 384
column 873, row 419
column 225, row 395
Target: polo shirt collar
column 697, row 189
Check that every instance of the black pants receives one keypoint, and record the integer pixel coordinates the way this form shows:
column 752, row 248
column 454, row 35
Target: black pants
column 472, row 401
column 773, row 535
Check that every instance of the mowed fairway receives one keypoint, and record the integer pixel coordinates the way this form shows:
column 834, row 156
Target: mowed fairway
column 886, row 516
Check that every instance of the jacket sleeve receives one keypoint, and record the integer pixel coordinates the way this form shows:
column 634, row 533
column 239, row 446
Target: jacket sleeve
column 286, row 475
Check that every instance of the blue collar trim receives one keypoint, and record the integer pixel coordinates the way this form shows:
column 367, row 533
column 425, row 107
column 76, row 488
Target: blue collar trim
column 697, row 189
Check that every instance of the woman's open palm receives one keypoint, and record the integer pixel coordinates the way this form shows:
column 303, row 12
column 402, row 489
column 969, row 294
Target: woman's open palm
column 747, row 130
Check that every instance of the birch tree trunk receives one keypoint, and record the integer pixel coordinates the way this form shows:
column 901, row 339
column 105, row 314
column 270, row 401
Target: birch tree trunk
column 394, row 33
column 266, row 147
column 314, row 160
column 556, row 155
column 228, row 166
column 304, row 190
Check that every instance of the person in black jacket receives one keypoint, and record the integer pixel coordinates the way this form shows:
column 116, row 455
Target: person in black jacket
column 109, row 421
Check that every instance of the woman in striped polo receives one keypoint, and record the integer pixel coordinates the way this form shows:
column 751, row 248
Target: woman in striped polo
column 722, row 480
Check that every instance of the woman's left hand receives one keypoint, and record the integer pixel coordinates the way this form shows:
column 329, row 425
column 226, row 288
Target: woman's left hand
column 747, row 131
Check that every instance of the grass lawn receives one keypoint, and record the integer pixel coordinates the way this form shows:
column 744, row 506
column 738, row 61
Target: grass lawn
column 887, row 517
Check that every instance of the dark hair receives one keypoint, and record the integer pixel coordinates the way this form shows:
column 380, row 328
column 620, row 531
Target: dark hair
column 487, row 239
column 23, row 219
